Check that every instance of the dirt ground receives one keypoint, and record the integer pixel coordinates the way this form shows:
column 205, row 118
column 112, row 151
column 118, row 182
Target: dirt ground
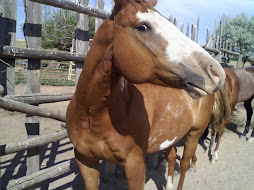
column 233, row 171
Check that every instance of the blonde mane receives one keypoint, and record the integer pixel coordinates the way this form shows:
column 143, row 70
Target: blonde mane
column 222, row 108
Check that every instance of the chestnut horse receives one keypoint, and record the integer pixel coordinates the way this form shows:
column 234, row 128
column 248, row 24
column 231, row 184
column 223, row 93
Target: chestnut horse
column 137, row 93
column 246, row 95
column 225, row 100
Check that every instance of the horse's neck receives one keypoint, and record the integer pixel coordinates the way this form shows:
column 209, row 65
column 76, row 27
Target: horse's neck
column 94, row 86
column 95, row 82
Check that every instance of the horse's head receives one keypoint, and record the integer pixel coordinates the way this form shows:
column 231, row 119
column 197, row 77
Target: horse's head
column 150, row 49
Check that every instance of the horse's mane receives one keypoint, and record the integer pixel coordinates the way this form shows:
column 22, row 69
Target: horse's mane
column 221, row 108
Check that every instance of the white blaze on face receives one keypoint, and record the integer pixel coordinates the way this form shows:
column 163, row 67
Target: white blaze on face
column 179, row 46
column 167, row 144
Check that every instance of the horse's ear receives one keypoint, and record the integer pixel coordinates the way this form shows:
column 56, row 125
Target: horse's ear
column 152, row 3
column 119, row 4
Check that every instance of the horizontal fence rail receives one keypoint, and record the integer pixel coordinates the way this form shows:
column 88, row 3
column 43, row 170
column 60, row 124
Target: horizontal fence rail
column 64, row 4
column 229, row 52
column 41, row 98
column 222, row 50
column 42, row 175
column 32, row 142
column 31, row 110
column 32, row 53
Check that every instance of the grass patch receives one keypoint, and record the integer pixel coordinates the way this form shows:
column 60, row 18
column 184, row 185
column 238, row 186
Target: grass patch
column 20, row 78
column 20, row 43
column 57, row 82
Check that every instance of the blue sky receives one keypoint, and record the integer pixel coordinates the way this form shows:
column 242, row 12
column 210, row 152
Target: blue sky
column 186, row 11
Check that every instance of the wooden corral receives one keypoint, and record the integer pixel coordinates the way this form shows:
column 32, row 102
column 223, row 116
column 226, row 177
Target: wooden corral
column 29, row 102
column 221, row 51
column 34, row 54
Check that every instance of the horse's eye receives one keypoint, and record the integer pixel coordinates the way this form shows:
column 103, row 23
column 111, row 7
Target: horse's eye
column 143, row 27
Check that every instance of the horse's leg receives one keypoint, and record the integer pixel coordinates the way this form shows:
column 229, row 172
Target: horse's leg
column 193, row 166
column 190, row 145
column 135, row 171
column 248, row 107
column 171, row 158
column 212, row 141
column 251, row 139
column 90, row 172
column 215, row 157
column 205, row 134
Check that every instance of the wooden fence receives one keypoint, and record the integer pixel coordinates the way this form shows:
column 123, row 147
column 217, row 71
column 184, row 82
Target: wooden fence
column 220, row 50
column 29, row 102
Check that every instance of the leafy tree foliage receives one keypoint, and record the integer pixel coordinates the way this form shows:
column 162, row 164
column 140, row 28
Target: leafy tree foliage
column 58, row 28
column 239, row 31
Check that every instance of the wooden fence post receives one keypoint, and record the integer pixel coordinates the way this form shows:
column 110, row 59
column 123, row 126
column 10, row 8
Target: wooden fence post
column 82, row 38
column 32, row 31
column 217, row 42
column 171, row 18
column 70, row 69
column 208, row 38
column 223, row 56
column 197, row 30
column 175, row 22
column 193, row 32
column 239, row 62
column 8, row 14
column 181, row 26
column 187, row 30
column 214, row 33
column 230, row 48
column 98, row 21
column 220, row 34
column 226, row 55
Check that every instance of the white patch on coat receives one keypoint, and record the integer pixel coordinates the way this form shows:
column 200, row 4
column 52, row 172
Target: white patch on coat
column 179, row 46
column 169, row 183
column 152, row 140
column 167, row 144
column 168, row 108
column 212, row 141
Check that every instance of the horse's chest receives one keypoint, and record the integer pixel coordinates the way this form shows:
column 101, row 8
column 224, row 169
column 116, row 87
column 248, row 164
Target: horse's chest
column 169, row 125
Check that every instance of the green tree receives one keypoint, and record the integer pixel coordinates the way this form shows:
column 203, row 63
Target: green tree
column 239, row 31
column 58, row 28
column 91, row 27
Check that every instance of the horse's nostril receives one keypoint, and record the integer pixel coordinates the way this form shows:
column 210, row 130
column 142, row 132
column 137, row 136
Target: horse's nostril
column 216, row 76
column 214, row 71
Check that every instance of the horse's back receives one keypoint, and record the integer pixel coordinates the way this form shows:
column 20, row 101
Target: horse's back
column 246, row 80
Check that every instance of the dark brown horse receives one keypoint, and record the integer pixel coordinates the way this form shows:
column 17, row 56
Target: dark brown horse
column 137, row 93
column 246, row 95
column 249, row 58
column 225, row 100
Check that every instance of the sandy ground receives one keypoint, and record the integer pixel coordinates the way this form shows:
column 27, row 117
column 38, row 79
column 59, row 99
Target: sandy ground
column 234, row 171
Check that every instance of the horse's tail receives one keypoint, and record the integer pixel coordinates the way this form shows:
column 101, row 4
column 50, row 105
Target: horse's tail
column 221, row 109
